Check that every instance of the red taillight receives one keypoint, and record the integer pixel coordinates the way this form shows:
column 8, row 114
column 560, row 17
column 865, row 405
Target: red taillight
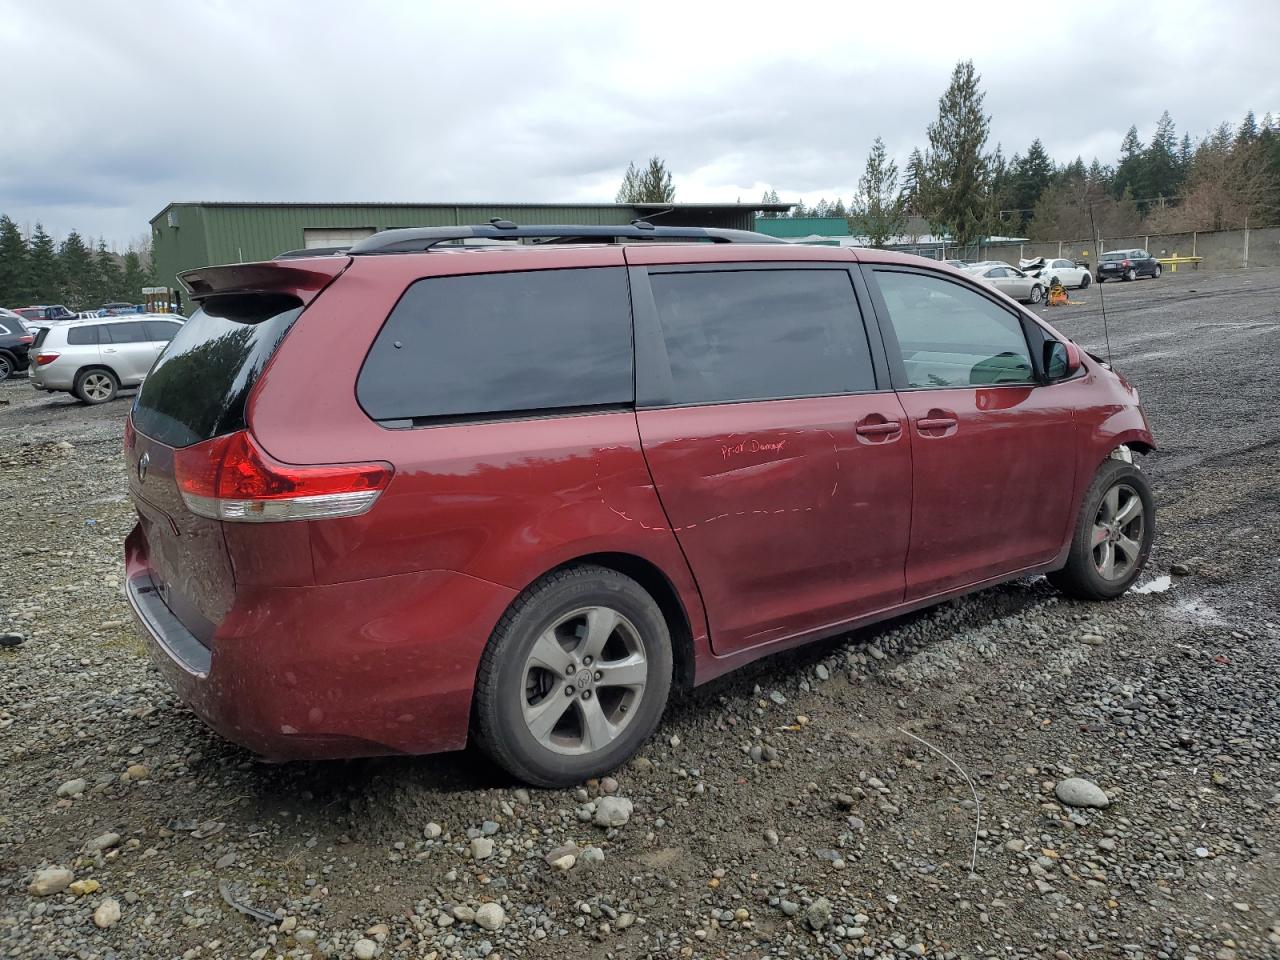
column 130, row 435
column 43, row 359
column 27, row 339
column 232, row 478
column 1124, row 263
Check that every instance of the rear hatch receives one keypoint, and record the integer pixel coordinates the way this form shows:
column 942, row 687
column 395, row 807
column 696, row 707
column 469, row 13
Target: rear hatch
column 197, row 391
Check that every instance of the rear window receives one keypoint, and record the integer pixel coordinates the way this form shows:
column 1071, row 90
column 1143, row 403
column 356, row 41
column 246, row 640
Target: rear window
column 80, row 336
column 198, row 388
column 496, row 344
column 1114, row 257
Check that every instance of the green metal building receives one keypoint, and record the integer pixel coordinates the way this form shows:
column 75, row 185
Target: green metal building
column 189, row 235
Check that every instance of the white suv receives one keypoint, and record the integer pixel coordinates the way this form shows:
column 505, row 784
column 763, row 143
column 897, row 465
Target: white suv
column 95, row 358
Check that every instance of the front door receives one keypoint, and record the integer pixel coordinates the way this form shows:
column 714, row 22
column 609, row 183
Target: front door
column 784, row 471
column 994, row 450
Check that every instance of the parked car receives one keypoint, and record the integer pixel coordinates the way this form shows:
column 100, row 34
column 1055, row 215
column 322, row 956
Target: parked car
column 1010, row 281
column 36, row 315
column 1127, row 265
column 118, row 309
column 1057, row 270
column 537, row 487
column 94, row 359
column 15, row 344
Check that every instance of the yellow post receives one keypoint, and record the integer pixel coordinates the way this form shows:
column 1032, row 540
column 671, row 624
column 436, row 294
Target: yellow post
column 1173, row 267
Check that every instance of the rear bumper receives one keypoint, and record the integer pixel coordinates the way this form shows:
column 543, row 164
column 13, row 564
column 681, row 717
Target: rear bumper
column 338, row 670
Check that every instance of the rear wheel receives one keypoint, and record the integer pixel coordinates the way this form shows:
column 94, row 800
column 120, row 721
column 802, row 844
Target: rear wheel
column 1084, row 281
column 1101, row 278
column 7, row 366
column 96, row 386
column 1132, row 274
column 1037, row 293
column 575, row 677
column 1113, row 535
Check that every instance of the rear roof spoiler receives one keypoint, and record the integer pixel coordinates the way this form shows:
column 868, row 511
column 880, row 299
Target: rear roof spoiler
column 295, row 278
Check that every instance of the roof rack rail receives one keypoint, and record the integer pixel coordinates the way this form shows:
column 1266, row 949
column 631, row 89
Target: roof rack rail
column 418, row 239
column 310, row 252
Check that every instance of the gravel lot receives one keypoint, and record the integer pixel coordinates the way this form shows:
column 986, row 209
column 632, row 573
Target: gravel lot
column 783, row 811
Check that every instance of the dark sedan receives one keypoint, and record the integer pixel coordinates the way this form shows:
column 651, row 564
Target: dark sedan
column 15, row 344
column 1127, row 265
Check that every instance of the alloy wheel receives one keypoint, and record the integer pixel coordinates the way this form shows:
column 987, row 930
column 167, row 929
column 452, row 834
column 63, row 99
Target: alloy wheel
column 6, row 368
column 1118, row 529
column 583, row 680
column 96, row 386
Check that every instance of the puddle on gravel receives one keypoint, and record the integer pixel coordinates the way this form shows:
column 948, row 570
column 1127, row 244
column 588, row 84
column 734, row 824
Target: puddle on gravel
column 1158, row 585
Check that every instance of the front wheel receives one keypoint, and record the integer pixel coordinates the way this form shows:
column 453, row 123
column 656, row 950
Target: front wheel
column 1084, row 281
column 1112, row 537
column 575, row 677
column 1037, row 293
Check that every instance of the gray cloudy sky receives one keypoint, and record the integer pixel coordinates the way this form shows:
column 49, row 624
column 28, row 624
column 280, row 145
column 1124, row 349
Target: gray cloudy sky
column 108, row 111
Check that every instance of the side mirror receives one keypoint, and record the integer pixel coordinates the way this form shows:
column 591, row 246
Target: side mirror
column 1061, row 360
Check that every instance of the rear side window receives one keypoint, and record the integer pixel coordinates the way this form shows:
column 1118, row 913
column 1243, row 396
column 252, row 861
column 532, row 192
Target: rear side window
column 760, row 334
column 80, row 336
column 162, row 330
column 198, row 388
column 499, row 343
column 951, row 336
column 132, row 332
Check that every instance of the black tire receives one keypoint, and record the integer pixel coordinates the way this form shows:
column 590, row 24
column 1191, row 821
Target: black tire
column 7, row 366
column 1131, row 274
column 96, row 385
column 501, row 695
column 1085, row 280
column 1081, row 578
column 1101, row 278
column 1155, row 275
column 1037, row 293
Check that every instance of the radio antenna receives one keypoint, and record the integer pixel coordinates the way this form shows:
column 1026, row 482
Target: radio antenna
column 1102, row 302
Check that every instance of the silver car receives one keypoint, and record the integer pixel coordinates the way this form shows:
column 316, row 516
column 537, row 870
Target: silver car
column 1010, row 281
column 93, row 359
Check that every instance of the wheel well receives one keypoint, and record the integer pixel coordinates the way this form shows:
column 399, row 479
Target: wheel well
column 95, row 366
column 657, row 585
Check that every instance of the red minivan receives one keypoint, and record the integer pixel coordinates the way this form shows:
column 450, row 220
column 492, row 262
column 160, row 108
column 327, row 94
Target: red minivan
column 513, row 484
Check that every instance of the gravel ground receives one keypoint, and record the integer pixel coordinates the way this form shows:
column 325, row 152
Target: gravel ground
column 788, row 810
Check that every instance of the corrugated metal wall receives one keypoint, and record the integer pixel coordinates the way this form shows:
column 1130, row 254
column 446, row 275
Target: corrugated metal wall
column 232, row 233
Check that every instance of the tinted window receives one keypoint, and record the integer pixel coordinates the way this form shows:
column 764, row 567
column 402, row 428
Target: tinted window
column 502, row 343
column 161, row 330
column 197, row 389
column 79, row 336
column 132, row 332
column 951, row 336
column 761, row 334
column 4, row 330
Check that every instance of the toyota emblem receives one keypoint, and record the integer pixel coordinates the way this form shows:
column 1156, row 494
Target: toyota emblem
column 143, row 462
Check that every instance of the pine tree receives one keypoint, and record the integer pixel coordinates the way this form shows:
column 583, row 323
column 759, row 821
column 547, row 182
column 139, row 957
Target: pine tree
column 1184, row 155
column 44, row 270
column 879, row 209
column 135, row 278
column 15, row 268
column 957, row 180
column 1130, row 170
column 1160, row 163
column 79, row 272
column 770, row 196
column 1030, row 176
column 1248, row 132
column 650, row 185
column 110, row 278
column 913, row 180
